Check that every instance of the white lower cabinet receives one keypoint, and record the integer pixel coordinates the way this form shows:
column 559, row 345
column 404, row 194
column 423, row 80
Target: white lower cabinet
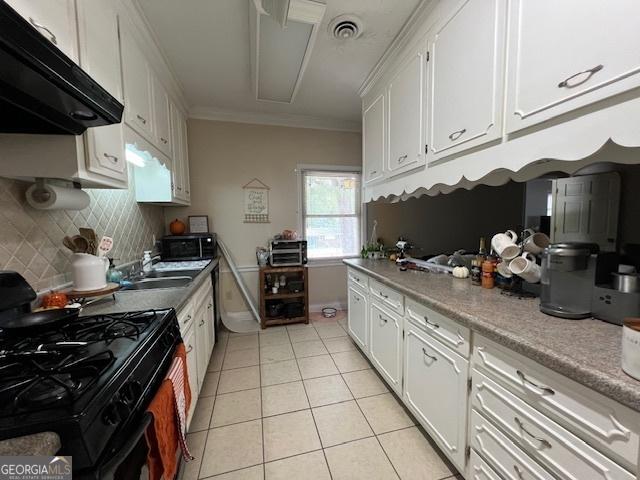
column 358, row 316
column 479, row 470
column 386, row 344
column 192, row 371
column 435, row 390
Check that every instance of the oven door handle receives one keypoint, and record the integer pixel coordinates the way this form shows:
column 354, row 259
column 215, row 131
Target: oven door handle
column 108, row 468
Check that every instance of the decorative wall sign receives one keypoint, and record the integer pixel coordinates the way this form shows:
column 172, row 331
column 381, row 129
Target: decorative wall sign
column 198, row 224
column 256, row 202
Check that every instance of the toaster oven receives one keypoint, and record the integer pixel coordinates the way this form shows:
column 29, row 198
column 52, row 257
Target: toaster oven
column 287, row 253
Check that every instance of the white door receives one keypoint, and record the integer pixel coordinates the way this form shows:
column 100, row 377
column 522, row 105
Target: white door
column 386, row 344
column 202, row 353
column 54, row 19
column 100, row 58
column 192, row 370
column 585, row 209
column 137, row 88
column 161, row 115
column 466, row 59
column 357, row 317
column 435, row 389
column 406, row 148
column 373, row 140
column 564, row 55
column 177, row 172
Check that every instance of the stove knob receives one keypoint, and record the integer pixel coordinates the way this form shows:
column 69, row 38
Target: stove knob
column 111, row 416
column 131, row 392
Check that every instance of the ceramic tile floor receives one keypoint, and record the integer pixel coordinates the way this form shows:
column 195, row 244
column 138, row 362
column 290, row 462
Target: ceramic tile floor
column 302, row 402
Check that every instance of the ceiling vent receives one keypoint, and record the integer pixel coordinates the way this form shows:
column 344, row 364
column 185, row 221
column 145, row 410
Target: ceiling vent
column 345, row 27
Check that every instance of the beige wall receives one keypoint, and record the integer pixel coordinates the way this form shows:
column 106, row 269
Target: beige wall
column 224, row 156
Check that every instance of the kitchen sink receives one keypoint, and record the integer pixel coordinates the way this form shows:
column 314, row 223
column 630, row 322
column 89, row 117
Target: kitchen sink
column 162, row 282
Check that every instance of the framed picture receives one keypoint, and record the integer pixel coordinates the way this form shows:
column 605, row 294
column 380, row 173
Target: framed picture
column 198, row 224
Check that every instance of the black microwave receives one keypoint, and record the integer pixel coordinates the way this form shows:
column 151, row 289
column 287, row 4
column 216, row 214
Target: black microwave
column 195, row 246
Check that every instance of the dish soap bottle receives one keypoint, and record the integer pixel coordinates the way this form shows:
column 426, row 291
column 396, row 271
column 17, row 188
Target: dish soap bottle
column 147, row 262
column 113, row 274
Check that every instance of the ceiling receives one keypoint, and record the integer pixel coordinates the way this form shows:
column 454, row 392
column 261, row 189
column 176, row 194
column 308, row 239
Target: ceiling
column 207, row 43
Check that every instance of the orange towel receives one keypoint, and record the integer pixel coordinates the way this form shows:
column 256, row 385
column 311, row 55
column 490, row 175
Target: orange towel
column 163, row 434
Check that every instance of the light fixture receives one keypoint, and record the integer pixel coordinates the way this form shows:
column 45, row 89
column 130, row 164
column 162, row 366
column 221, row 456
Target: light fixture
column 283, row 33
column 345, row 27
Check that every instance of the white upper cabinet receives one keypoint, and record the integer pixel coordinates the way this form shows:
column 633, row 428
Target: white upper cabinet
column 137, row 88
column 588, row 51
column 177, row 121
column 406, row 146
column 373, row 139
column 161, row 116
column 184, row 152
column 54, row 19
column 100, row 58
column 466, row 77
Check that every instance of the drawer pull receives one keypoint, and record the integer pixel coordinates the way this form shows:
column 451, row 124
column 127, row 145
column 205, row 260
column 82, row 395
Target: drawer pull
column 189, row 349
column 373, row 172
column 383, row 295
column 209, row 306
column 424, row 352
column 456, row 135
column 357, row 299
column 434, row 325
column 186, row 320
column 402, row 158
column 566, row 83
column 542, row 441
column 518, row 471
column 201, row 323
column 39, row 26
column 163, row 140
column 113, row 158
column 382, row 318
column 141, row 118
column 539, row 387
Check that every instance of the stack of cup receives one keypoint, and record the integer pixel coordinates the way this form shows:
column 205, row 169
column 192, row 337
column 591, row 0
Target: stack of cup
column 520, row 259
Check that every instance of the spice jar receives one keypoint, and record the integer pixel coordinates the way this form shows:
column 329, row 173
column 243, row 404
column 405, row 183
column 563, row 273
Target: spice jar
column 476, row 272
column 488, row 273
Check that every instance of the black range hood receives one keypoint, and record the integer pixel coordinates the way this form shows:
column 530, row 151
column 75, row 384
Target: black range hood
column 41, row 89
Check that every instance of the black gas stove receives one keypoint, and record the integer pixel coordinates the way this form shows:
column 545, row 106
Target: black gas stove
column 90, row 380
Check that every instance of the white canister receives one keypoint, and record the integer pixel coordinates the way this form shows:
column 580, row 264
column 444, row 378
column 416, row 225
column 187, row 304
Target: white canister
column 631, row 347
column 89, row 272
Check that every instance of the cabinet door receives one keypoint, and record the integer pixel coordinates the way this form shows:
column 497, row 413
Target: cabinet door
column 192, row 370
column 386, row 345
column 100, row 58
column 373, row 140
column 406, row 148
column 466, row 72
column 137, row 88
column 210, row 322
column 357, row 321
column 186, row 183
column 202, row 351
column 54, row 19
column 435, row 389
column 587, row 53
column 161, row 116
column 177, row 171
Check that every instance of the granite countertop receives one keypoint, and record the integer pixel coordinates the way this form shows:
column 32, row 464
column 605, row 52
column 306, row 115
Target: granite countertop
column 133, row 300
column 587, row 351
column 45, row 443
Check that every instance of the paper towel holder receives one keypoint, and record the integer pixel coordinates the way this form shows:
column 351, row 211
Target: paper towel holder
column 40, row 196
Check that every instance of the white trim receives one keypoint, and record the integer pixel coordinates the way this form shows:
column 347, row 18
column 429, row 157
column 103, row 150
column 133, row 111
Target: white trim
column 202, row 112
column 241, row 269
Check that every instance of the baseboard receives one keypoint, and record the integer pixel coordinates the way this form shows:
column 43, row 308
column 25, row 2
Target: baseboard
column 319, row 306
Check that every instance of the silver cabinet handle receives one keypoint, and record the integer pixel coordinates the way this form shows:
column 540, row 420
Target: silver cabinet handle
column 201, row 323
column 113, row 158
column 429, row 322
column 402, row 158
column 209, row 306
column 518, row 471
column 163, row 140
column 141, row 118
column 39, row 26
column 566, row 83
column 179, row 189
column 357, row 299
column 189, row 349
column 456, row 135
column 542, row 441
column 533, row 384
column 382, row 318
column 383, row 295
column 186, row 320
column 373, row 172
column 424, row 352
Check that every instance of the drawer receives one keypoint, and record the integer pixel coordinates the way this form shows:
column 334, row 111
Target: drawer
column 479, row 470
column 358, row 278
column 607, row 425
column 546, row 441
column 503, row 455
column 389, row 297
column 185, row 317
column 447, row 331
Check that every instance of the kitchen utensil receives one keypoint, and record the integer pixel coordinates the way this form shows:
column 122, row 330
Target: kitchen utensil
column 535, row 242
column 92, row 238
column 105, row 246
column 626, row 282
column 68, row 242
column 88, row 272
column 504, row 244
column 42, row 320
column 80, row 244
column 525, row 267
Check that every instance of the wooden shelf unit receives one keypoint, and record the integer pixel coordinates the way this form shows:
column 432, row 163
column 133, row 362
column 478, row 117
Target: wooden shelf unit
column 292, row 273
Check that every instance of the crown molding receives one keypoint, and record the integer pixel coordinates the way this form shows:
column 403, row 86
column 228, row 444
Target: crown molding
column 406, row 35
column 279, row 119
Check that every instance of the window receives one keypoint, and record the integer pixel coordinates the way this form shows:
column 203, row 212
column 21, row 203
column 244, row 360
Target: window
column 330, row 207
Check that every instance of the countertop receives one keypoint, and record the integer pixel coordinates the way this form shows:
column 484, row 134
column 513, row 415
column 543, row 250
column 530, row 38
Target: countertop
column 45, row 443
column 587, row 351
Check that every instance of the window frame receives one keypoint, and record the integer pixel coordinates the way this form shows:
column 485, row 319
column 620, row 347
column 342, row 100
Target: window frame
column 301, row 170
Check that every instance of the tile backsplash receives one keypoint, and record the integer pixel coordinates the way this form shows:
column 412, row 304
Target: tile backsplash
column 31, row 240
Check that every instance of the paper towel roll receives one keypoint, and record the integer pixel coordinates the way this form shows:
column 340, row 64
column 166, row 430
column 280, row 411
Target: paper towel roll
column 53, row 197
